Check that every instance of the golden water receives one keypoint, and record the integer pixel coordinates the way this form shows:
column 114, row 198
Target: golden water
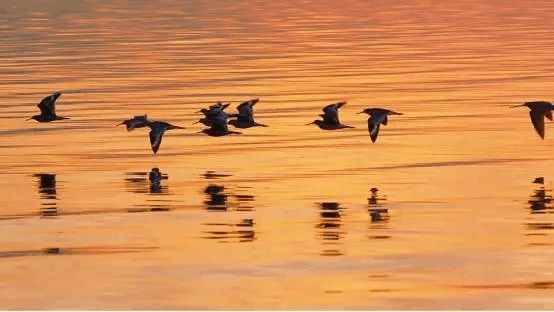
column 80, row 227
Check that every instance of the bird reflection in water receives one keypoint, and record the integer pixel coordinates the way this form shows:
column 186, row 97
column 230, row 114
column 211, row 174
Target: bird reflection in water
column 540, row 202
column 541, row 199
column 221, row 198
column 330, row 228
column 217, row 199
column 148, row 183
column 242, row 231
column 378, row 213
column 48, row 194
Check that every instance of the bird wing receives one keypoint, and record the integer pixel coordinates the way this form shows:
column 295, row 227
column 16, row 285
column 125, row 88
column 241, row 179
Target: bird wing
column 331, row 113
column 47, row 105
column 385, row 120
column 156, row 135
column 373, row 124
column 537, row 118
column 548, row 114
column 333, row 107
column 246, row 109
column 219, row 125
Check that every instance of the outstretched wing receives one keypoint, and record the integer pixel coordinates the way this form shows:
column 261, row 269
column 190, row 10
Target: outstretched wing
column 219, row 125
column 48, row 105
column 156, row 135
column 537, row 118
column 246, row 109
column 331, row 113
column 373, row 124
column 548, row 114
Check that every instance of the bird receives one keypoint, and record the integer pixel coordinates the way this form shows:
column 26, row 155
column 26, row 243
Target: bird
column 539, row 110
column 214, row 112
column 330, row 118
column 377, row 116
column 157, row 129
column 48, row 109
column 219, row 127
column 245, row 117
column 139, row 121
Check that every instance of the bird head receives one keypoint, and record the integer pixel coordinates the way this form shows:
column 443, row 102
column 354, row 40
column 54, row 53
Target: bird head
column 367, row 111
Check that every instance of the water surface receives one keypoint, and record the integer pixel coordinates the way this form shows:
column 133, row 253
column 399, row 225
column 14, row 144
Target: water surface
column 441, row 212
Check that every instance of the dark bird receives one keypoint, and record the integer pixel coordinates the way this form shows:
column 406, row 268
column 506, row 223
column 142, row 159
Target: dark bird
column 48, row 109
column 245, row 117
column 330, row 118
column 135, row 122
column 539, row 110
column 377, row 116
column 214, row 112
column 219, row 127
column 157, row 129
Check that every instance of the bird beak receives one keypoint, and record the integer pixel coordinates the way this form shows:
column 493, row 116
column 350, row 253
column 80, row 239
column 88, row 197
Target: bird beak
column 119, row 124
column 360, row 113
column 311, row 123
column 517, row 106
column 29, row 119
column 195, row 122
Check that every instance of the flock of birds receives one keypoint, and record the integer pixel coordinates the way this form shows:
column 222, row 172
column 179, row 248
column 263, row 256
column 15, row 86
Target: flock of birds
column 218, row 120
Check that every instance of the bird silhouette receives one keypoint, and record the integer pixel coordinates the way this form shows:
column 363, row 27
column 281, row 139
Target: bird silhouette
column 377, row 116
column 48, row 109
column 214, row 112
column 330, row 118
column 245, row 117
column 157, row 130
column 539, row 110
column 139, row 121
column 219, row 127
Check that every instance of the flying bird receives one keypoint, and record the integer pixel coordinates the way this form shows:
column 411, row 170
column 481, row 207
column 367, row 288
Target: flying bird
column 214, row 112
column 245, row 117
column 157, row 130
column 539, row 110
column 330, row 118
column 48, row 109
column 377, row 116
column 219, row 127
column 139, row 121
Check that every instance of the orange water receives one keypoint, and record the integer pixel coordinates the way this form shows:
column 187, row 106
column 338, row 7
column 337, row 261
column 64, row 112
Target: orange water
column 455, row 171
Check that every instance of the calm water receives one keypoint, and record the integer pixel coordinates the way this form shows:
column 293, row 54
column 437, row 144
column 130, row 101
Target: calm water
column 440, row 213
